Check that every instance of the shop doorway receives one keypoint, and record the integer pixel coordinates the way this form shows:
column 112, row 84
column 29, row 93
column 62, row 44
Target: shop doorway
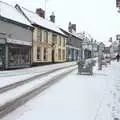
column 2, row 56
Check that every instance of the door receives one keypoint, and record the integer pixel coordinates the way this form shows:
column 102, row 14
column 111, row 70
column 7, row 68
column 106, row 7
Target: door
column 2, row 56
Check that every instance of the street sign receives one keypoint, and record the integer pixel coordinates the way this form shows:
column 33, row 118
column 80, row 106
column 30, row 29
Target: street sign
column 117, row 3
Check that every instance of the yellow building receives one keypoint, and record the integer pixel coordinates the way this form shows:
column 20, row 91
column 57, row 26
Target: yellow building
column 48, row 46
column 49, row 42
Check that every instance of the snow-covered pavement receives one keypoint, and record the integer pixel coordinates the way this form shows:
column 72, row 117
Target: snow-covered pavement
column 76, row 97
column 12, row 76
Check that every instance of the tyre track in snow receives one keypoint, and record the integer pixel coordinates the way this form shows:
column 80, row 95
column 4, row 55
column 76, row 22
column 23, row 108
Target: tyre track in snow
column 14, row 104
column 22, row 82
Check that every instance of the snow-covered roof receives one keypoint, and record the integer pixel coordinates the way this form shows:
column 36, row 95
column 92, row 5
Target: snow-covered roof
column 73, row 34
column 9, row 12
column 107, row 44
column 36, row 19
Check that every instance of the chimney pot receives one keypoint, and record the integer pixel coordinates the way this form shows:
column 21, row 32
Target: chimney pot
column 40, row 12
column 52, row 17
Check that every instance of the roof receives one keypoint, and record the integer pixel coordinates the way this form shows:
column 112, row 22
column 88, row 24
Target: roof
column 73, row 34
column 107, row 44
column 9, row 12
column 36, row 19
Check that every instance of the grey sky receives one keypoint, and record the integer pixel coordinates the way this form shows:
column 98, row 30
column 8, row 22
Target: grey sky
column 97, row 17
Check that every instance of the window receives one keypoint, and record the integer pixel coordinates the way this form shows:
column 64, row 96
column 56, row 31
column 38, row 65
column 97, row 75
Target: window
column 54, row 39
column 64, row 42
column 38, row 53
column 46, row 36
column 59, row 41
column 63, row 53
column 39, row 34
column 45, row 54
column 1, row 55
column 59, row 54
column 18, row 55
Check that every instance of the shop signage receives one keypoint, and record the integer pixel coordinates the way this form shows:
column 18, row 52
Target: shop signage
column 20, row 42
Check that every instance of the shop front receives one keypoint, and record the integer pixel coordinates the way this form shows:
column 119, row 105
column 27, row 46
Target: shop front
column 14, row 53
column 19, row 56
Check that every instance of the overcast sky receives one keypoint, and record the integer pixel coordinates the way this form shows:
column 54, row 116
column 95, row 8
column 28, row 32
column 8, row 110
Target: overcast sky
column 97, row 17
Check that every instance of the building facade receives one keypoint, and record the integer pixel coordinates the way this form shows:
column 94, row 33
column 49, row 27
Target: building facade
column 89, row 46
column 73, row 46
column 15, row 38
column 48, row 46
column 49, row 42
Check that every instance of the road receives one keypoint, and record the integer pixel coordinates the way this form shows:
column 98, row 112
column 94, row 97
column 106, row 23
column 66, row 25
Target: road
column 75, row 97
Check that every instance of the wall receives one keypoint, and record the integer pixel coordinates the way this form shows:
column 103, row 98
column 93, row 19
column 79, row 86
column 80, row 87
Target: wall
column 17, row 32
column 48, row 45
column 42, row 45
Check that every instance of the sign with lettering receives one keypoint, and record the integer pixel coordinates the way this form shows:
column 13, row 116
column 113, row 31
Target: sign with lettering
column 20, row 42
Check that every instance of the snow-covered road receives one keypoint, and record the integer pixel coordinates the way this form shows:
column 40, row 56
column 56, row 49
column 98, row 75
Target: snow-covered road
column 76, row 97
column 10, row 77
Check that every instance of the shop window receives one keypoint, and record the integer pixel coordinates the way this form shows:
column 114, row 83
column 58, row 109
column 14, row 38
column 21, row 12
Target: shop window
column 26, row 55
column 12, row 56
column 1, row 55
column 18, row 55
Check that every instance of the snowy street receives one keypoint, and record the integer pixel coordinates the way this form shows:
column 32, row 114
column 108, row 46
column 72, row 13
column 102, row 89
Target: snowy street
column 10, row 77
column 76, row 97
column 59, row 60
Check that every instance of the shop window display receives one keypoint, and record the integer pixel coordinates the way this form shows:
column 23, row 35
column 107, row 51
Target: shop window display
column 1, row 55
column 18, row 55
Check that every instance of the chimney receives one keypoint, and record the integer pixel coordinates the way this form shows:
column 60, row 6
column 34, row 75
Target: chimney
column 40, row 12
column 70, row 27
column 74, row 27
column 52, row 17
